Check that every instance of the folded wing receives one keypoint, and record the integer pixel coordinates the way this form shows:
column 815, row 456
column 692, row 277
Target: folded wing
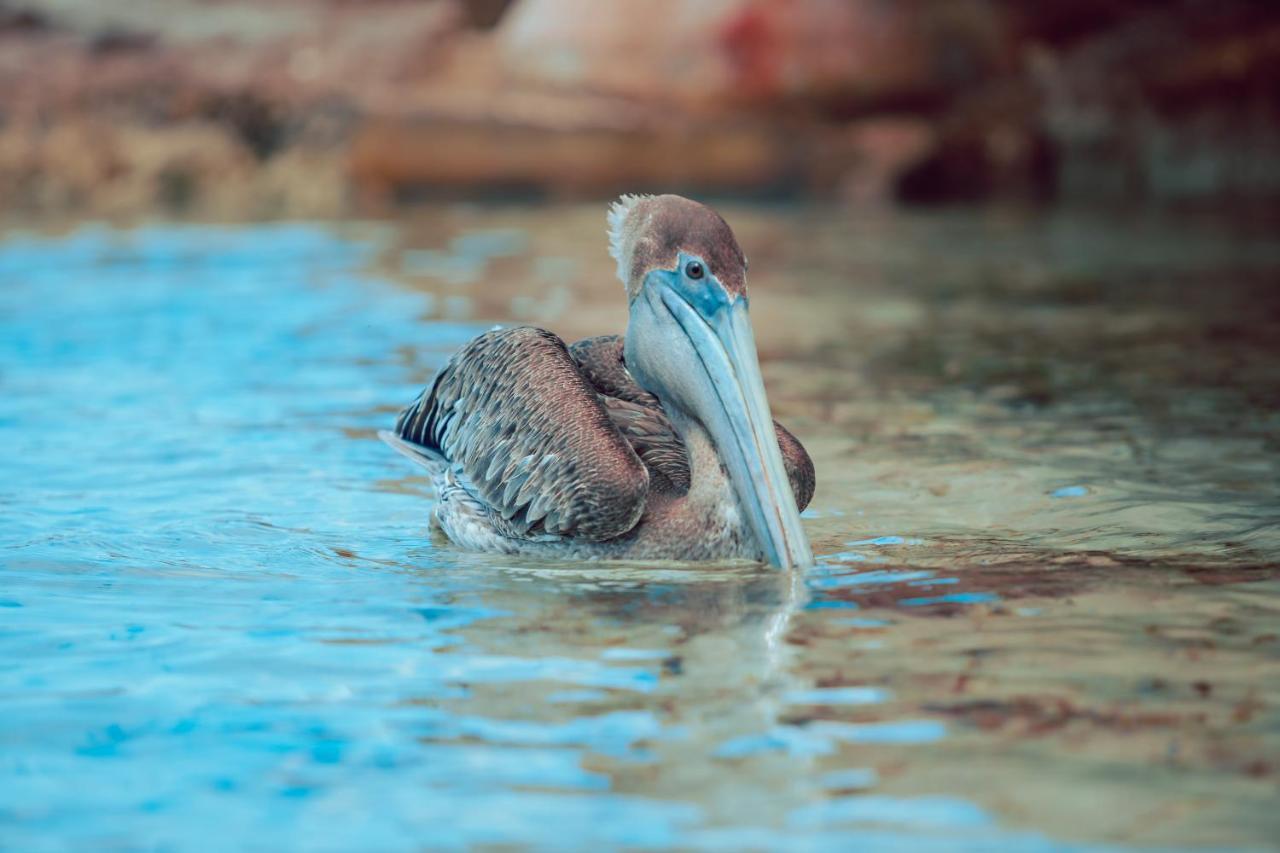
column 514, row 416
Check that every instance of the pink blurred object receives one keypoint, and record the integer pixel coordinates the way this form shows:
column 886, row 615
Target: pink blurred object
column 748, row 50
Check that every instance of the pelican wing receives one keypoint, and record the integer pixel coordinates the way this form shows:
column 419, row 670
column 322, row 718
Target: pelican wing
column 512, row 413
column 638, row 414
column 655, row 441
column 798, row 464
column 601, row 361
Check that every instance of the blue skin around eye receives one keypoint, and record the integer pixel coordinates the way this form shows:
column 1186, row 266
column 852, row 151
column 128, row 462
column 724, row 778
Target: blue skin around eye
column 707, row 295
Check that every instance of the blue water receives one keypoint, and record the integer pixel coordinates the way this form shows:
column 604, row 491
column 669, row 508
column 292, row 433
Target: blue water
column 223, row 623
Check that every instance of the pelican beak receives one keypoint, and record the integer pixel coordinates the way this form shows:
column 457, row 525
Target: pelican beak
column 723, row 389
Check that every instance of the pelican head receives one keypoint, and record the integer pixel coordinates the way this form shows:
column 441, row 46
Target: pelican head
column 689, row 342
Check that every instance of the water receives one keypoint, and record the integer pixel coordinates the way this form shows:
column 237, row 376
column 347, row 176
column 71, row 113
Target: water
column 1044, row 618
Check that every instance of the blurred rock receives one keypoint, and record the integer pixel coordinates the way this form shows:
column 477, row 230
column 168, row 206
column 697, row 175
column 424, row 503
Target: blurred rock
column 427, row 155
column 219, row 109
column 848, row 55
column 321, row 107
column 884, row 150
column 1176, row 105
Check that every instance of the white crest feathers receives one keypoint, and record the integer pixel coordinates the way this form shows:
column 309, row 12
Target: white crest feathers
column 618, row 212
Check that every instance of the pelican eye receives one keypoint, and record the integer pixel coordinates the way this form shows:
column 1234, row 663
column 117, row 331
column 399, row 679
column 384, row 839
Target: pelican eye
column 694, row 270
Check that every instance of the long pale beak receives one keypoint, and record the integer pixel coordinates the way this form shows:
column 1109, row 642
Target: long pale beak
column 737, row 417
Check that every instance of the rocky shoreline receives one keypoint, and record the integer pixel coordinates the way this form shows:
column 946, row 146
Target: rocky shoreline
column 319, row 108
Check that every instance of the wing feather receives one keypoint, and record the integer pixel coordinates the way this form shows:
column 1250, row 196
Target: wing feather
column 655, row 441
column 531, row 436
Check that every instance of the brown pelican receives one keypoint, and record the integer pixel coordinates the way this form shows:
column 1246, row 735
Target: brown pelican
column 659, row 445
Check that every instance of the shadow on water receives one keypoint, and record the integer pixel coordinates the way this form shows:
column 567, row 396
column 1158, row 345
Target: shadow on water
column 1043, row 616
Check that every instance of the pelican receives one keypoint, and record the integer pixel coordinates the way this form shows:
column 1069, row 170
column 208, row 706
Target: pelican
column 655, row 445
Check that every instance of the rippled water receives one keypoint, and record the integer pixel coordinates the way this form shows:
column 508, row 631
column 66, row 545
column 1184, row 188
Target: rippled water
column 1044, row 618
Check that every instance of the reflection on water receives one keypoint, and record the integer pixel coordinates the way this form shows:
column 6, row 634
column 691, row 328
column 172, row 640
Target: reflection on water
column 1044, row 612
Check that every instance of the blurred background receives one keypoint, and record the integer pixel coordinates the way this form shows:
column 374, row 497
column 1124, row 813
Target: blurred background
column 322, row 108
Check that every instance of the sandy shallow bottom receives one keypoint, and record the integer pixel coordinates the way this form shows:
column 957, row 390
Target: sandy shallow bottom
column 1044, row 617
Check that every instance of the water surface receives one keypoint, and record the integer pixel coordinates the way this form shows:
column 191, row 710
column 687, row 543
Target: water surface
column 1044, row 615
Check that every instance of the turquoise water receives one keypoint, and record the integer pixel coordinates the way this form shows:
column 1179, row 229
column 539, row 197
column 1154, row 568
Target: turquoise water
column 223, row 622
